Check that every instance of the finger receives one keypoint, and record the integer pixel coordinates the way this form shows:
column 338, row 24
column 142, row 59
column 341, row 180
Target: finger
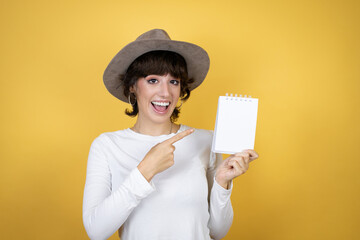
column 226, row 162
column 245, row 164
column 253, row 155
column 242, row 162
column 238, row 169
column 179, row 136
column 244, row 155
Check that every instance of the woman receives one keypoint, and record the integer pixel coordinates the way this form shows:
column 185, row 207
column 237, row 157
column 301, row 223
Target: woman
column 157, row 179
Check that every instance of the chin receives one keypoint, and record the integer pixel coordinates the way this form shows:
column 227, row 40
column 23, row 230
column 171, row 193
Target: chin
column 162, row 119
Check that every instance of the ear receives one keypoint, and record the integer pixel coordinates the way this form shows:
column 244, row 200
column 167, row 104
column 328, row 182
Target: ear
column 133, row 88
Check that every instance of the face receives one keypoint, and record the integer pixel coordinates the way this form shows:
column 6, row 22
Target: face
column 157, row 97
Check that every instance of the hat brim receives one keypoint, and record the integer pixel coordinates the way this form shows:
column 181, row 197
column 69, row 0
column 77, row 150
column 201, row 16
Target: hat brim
column 196, row 58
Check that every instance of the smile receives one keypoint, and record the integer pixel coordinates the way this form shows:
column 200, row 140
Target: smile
column 160, row 107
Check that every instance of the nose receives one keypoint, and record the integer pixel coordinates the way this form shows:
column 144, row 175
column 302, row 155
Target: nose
column 164, row 90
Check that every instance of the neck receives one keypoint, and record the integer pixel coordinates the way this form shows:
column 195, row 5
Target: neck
column 154, row 129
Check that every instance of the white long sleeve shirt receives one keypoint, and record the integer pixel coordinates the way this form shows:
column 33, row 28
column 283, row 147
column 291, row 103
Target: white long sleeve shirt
column 181, row 203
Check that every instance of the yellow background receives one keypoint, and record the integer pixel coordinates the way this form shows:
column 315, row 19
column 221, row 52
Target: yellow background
column 300, row 58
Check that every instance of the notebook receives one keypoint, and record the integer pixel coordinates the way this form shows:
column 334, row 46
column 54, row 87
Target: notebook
column 235, row 124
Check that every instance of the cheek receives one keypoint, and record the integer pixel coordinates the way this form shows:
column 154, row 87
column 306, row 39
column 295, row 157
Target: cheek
column 178, row 92
column 142, row 92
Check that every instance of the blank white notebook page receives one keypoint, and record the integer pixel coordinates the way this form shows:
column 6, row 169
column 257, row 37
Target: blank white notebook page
column 235, row 124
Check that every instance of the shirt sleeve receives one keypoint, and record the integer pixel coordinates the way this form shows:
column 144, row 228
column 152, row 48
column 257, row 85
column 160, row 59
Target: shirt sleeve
column 220, row 208
column 104, row 210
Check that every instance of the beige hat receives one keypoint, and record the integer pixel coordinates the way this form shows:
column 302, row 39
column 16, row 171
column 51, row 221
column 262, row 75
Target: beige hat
column 196, row 58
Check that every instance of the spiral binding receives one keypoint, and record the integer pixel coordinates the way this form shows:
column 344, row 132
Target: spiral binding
column 236, row 98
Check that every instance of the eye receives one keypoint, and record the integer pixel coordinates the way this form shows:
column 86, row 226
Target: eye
column 152, row 81
column 175, row 82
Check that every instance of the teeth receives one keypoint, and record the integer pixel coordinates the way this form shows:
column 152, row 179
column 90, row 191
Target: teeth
column 161, row 103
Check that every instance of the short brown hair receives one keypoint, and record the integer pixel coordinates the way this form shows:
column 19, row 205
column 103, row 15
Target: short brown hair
column 159, row 63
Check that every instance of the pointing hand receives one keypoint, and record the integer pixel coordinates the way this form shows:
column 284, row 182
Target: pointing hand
column 161, row 156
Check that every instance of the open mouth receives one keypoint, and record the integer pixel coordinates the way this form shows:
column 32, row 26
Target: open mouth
column 160, row 107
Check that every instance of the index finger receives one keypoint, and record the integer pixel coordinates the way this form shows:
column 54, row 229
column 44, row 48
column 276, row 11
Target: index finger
column 179, row 136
